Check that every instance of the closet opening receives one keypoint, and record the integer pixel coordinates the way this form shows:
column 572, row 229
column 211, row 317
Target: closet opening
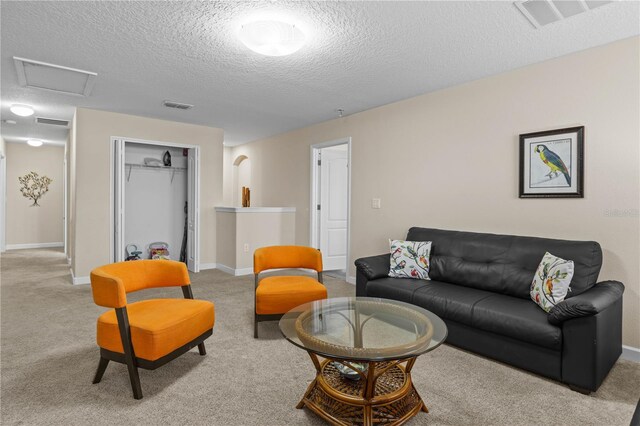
column 155, row 201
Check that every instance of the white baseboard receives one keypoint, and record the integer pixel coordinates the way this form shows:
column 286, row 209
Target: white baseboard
column 205, row 266
column 33, row 246
column 235, row 272
column 351, row 280
column 79, row 280
column 68, row 261
column 630, row 353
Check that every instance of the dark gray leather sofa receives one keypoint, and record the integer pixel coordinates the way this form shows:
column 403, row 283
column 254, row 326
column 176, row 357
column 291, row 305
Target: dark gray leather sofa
column 480, row 287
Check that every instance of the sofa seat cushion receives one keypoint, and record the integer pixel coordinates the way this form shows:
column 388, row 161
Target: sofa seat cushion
column 517, row 318
column 401, row 289
column 449, row 301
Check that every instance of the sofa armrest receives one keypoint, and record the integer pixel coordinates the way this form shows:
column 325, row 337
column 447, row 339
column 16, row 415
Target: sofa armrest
column 591, row 302
column 370, row 268
column 374, row 267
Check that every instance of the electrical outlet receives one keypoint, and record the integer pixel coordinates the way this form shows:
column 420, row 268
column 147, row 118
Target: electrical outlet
column 246, row 248
column 375, row 203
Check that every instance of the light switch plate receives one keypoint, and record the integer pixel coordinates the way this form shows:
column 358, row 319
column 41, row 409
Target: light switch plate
column 375, row 203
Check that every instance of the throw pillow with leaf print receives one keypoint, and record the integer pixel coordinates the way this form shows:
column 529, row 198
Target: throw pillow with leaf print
column 551, row 282
column 409, row 259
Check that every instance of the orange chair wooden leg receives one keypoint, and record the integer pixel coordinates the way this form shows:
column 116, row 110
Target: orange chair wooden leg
column 102, row 365
column 129, row 356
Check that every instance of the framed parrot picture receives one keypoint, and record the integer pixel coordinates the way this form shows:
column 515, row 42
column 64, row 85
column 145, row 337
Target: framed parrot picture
column 552, row 164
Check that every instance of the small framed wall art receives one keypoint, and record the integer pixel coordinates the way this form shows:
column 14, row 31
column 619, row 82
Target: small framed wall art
column 552, row 164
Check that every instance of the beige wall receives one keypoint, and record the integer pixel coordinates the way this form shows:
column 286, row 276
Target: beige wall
column 90, row 159
column 27, row 224
column 227, row 170
column 449, row 159
column 256, row 229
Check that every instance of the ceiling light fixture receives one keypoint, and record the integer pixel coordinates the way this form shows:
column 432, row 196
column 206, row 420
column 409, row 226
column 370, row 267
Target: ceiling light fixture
column 272, row 37
column 34, row 142
column 21, row 110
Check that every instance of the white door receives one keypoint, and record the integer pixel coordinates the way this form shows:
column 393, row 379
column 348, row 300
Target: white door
column 334, row 198
column 193, row 208
column 118, row 200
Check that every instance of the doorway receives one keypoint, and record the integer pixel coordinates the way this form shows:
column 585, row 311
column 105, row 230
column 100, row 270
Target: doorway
column 3, row 198
column 331, row 203
column 154, row 204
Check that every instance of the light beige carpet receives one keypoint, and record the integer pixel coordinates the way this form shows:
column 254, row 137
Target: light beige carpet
column 49, row 356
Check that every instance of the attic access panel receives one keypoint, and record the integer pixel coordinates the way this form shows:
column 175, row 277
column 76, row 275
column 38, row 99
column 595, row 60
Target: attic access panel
column 42, row 75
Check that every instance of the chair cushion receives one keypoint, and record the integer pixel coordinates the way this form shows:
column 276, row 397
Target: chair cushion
column 517, row 318
column 158, row 326
column 278, row 295
column 450, row 301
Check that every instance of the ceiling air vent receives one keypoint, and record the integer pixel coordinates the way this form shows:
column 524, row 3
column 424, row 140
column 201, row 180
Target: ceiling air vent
column 52, row 121
column 176, row 105
column 543, row 12
column 42, row 75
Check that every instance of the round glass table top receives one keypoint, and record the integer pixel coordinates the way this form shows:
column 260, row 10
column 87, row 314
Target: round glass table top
column 363, row 328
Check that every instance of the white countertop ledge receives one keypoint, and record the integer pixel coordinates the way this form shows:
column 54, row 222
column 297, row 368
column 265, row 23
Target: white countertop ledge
column 256, row 209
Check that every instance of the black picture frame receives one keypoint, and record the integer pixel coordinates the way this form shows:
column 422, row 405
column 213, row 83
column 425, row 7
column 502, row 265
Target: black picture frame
column 544, row 156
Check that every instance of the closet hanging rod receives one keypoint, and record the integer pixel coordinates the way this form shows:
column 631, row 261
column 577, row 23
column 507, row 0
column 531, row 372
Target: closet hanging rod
column 144, row 166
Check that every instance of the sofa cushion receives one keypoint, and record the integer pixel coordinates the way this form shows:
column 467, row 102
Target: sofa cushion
column 449, row 301
column 401, row 289
column 516, row 318
column 504, row 264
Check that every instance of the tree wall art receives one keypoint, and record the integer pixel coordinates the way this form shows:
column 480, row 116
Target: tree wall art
column 34, row 186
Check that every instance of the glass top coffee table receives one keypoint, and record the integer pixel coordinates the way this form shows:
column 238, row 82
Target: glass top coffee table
column 363, row 350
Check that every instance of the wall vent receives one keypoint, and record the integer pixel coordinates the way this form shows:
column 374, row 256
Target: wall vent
column 52, row 121
column 176, row 105
column 56, row 78
column 544, row 12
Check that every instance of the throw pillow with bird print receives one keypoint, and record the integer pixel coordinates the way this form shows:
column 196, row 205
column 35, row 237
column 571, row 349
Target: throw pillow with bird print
column 552, row 281
column 410, row 259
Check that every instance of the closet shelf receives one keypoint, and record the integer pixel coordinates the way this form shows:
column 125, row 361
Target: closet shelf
column 144, row 166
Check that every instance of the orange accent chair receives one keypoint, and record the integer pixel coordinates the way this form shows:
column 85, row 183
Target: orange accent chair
column 149, row 333
column 274, row 296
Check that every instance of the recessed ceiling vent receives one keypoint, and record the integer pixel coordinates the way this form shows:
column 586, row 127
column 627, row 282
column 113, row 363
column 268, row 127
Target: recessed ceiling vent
column 52, row 121
column 42, row 75
column 543, row 12
column 176, row 105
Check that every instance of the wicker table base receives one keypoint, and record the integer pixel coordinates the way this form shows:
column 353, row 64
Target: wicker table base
column 383, row 395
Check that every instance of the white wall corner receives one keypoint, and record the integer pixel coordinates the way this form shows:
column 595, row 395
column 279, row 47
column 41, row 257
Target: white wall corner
column 79, row 280
column 630, row 353
column 33, row 246
column 351, row 280
column 205, row 266
column 235, row 272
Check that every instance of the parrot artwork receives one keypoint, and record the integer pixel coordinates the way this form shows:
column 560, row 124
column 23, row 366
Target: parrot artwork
column 554, row 162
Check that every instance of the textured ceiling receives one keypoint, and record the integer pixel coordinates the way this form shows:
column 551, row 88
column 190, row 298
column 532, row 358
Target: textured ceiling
column 359, row 55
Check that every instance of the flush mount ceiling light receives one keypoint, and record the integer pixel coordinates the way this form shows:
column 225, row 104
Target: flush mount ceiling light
column 272, row 37
column 34, row 142
column 21, row 110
